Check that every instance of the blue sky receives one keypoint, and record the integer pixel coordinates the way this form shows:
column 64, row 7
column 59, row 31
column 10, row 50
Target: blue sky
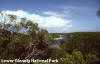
column 57, row 15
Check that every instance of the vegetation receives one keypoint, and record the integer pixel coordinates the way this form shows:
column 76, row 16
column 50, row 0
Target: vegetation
column 22, row 45
column 98, row 13
column 85, row 42
column 25, row 40
column 77, row 58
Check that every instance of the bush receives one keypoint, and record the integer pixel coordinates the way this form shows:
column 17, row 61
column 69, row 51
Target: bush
column 78, row 58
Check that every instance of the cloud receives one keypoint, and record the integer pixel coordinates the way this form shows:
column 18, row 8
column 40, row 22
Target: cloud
column 76, row 8
column 52, row 23
column 50, row 13
column 56, row 14
column 79, row 8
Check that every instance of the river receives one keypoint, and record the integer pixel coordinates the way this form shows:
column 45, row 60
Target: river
column 56, row 43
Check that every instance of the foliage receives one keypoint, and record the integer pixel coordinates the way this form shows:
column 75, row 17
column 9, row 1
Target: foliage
column 98, row 13
column 86, row 42
column 34, row 43
column 78, row 58
column 90, row 58
column 75, row 58
column 14, row 44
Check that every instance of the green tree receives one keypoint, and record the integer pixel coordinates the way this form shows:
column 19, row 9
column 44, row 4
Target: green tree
column 75, row 58
column 33, row 27
column 91, row 58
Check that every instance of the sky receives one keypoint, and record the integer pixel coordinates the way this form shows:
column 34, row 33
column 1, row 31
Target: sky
column 61, row 16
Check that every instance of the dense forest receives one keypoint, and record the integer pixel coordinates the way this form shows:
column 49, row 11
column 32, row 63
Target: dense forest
column 25, row 40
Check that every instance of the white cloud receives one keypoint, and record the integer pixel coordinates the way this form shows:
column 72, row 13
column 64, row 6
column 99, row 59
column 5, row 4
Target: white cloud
column 50, row 13
column 52, row 23
column 76, row 8
column 56, row 14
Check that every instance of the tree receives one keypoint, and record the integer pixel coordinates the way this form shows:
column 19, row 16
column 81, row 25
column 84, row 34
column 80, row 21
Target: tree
column 32, row 27
column 12, row 17
column 14, row 44
column 75, row 58
column 98, row 13
column 91, row 58
column 3, row 21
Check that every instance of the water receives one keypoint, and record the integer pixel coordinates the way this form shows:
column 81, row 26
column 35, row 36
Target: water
column 57, row 43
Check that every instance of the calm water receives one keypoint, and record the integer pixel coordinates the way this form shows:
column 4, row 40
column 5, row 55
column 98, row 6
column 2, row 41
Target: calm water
column 57, row 43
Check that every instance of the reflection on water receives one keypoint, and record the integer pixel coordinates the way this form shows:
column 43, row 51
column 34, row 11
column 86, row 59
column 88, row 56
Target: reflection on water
column 57, row 43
